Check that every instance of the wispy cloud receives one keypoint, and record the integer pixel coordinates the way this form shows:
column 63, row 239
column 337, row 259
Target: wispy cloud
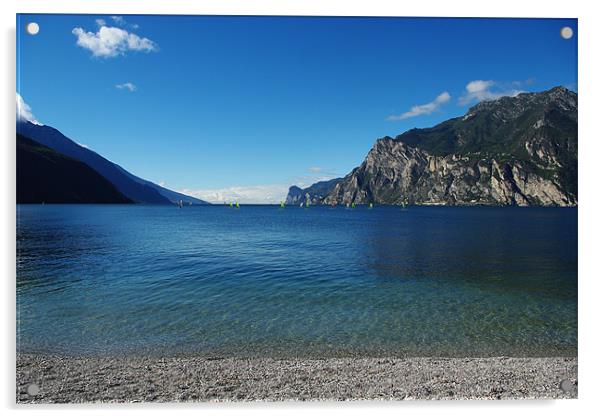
column 127, row 86
column 316, row 174
column 306, row 181
column 424, row 109
column 261, row 194
column 119, row 20
column 110, row 42
column 480, row 90
column 24, row 113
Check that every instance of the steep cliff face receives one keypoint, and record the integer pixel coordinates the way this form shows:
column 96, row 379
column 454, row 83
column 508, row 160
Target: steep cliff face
column 512, row 151
column 295, row 195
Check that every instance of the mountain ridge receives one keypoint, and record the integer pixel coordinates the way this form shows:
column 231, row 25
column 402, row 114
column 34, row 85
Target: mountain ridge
column 316, row 192
column 518, row 150
column 135, row 188
column 47, row 176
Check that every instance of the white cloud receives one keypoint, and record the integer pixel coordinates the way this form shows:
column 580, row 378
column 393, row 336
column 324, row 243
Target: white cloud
column 262, row 194
column 110, row 42
column 479, row 86
column 101, row 22
column 24, row 112
column 315, row 169
column 127, row 86
column 480, row 90
column 425, row 109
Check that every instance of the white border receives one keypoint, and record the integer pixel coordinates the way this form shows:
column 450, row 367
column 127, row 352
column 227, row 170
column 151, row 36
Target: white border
column 589, row 186
column 458, row 8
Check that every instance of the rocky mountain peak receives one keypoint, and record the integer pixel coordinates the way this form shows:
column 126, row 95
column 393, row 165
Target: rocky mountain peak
column 518, row 150
column 511, row 107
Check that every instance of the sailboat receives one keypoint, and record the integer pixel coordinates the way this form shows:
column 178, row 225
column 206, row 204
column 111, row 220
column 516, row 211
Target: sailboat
column 370, row 205
column 180, row 204
column 237, row 205
column 281, row 204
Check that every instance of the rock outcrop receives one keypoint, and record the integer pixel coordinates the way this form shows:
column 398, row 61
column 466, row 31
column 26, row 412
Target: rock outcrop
column 512, row 151
column 316, row 193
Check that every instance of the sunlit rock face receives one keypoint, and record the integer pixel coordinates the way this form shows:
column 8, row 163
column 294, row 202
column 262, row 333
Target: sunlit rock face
column 511, row 151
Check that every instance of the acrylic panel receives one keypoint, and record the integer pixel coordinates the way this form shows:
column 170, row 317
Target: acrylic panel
column 242, row 208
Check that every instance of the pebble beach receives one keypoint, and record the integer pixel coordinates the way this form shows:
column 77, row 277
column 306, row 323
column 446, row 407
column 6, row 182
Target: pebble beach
column 59, row 379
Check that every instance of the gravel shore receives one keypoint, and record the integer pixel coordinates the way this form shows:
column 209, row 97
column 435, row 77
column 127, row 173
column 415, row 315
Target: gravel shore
column 189, row 379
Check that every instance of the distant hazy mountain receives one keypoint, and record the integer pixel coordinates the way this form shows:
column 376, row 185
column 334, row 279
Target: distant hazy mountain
column 135, row 188
column 317, row 192
column 44, row 175
column 511, row 151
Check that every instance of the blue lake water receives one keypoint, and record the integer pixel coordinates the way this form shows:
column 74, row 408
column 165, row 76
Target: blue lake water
column 259, row 280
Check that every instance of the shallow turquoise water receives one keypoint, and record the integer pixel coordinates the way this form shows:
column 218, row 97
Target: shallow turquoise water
column 259, row 280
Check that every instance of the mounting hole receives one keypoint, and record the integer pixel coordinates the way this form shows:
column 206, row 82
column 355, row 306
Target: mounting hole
column 566, row 32
column 567, row 386
column 32, row 28
column 33, row 389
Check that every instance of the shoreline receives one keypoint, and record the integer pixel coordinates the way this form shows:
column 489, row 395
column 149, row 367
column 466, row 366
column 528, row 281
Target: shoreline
column 78, row 379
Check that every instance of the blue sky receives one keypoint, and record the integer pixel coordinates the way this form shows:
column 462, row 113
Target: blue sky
column 243, row 107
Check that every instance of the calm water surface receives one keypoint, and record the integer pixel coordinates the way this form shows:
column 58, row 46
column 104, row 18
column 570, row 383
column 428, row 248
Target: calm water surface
column 259, row 280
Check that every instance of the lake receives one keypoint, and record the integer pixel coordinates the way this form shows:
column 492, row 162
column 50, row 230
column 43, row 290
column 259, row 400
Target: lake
column 320, row 281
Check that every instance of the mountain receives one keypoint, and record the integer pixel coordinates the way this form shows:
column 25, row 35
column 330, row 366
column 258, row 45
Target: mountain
column 44, row 175
column 133, row 187
column 518, row 150
column 317, row 192
column 295, row 195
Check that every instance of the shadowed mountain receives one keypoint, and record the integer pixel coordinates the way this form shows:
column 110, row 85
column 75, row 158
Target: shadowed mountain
column 133, row 187
column 44, row 175
column 317, row 192
column 511, row 151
